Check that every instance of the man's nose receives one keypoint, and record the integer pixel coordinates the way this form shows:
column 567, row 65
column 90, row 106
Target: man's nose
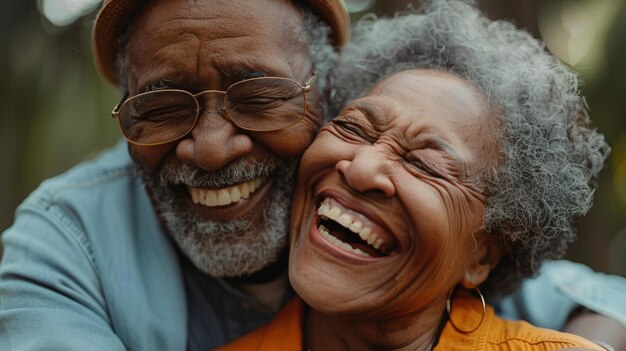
column 214, row 141
column 367, row 171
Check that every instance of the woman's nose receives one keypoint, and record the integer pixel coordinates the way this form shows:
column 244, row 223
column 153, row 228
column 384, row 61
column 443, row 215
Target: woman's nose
column 214, row 141
column 367, row 171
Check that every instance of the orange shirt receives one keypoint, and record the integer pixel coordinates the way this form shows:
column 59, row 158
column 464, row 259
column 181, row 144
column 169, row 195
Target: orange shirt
column 282, row 333
column 494, row 334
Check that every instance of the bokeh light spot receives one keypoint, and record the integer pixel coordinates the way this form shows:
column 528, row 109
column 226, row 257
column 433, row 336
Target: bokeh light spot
column 354, row 6
column 64, row 12
column 567, row 29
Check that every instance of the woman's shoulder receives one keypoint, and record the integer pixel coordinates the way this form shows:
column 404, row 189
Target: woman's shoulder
column 520, row 335
column 494, row 333
column 284, row 332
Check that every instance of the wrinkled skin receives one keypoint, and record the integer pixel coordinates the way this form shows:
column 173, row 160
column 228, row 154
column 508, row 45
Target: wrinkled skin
column 197, row 46
column 404, row 156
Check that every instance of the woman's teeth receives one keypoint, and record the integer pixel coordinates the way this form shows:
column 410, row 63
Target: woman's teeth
column 326, row 234
column 355, row 222
column 225, row 196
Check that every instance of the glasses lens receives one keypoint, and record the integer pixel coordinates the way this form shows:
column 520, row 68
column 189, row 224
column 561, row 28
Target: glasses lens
column 158, row 116
column 265, row 104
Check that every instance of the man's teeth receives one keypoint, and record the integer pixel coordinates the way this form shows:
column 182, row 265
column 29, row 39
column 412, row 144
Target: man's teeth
column 326, row 234
column 356, row 222
column 225, row 196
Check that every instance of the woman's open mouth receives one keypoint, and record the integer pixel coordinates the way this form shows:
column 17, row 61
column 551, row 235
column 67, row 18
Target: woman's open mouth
column 352, row 231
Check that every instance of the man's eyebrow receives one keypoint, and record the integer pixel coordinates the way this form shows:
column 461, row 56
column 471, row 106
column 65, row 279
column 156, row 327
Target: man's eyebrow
column 247, row 74
column 158, row 85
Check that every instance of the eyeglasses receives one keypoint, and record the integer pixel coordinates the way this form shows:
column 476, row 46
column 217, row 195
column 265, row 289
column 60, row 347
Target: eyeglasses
column 258, row 104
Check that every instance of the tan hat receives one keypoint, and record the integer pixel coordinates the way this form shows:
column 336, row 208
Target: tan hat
column 114, row 17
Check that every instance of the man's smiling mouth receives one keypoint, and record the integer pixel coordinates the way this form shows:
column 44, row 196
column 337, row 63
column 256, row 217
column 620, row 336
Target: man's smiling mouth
column 352, row 231
column 225, row 196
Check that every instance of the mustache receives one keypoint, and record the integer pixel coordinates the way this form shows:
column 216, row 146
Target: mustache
column 178, row 173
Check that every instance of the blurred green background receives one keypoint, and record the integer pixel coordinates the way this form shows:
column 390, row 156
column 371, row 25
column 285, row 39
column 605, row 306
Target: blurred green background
column 55, row 110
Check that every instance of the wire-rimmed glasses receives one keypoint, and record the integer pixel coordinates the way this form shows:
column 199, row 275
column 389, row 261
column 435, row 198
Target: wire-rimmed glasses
column 260, row 104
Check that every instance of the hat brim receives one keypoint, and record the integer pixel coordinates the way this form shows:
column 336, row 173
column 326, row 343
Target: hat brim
column 110, row 24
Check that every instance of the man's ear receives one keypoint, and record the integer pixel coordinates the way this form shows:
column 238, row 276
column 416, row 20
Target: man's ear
column 489, row 250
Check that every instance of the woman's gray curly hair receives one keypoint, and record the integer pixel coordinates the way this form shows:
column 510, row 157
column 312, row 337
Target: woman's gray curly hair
column 549, row 152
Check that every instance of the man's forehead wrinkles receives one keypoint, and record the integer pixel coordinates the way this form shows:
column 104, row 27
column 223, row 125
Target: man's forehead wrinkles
column 204, row 25
column 200, row 32
column 192, row 18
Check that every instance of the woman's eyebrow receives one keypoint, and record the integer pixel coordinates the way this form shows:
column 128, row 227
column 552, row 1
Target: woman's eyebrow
column 376, row 116
column 450, row 151
column 372, row 112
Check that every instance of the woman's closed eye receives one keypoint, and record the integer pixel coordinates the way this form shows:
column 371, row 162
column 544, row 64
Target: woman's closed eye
column 352, row 127
column 428, row 163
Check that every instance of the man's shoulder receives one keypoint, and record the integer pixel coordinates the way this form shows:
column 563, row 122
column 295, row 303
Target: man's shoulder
column 548, row 299
column 95, row 208
column 100, row 195
column 86, row 250
column 111, row 173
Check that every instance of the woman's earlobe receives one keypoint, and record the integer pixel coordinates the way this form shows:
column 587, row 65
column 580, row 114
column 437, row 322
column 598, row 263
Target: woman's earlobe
column 486, row 257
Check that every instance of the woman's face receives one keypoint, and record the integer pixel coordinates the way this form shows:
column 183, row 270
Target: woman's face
column 384, row 211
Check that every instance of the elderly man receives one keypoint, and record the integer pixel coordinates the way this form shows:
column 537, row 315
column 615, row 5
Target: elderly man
column 174, row 239
column 221, row 98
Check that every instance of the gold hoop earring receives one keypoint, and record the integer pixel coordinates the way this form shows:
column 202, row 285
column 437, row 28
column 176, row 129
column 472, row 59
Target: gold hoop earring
column 449, row 310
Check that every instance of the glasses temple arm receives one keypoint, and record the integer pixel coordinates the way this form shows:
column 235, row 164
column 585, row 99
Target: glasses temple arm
column 116, row 109
column 307, row 85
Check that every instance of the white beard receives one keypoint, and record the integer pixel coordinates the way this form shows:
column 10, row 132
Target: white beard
column 224, row 248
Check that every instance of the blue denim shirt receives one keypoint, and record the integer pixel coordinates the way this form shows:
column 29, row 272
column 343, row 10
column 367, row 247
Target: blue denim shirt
column 562, row 286
column 87, row 267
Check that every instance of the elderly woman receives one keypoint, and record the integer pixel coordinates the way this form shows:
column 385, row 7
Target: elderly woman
column 457, row 174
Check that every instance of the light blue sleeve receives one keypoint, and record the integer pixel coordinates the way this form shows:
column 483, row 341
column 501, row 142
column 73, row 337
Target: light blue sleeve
column 561, row 287
column 50, row 295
